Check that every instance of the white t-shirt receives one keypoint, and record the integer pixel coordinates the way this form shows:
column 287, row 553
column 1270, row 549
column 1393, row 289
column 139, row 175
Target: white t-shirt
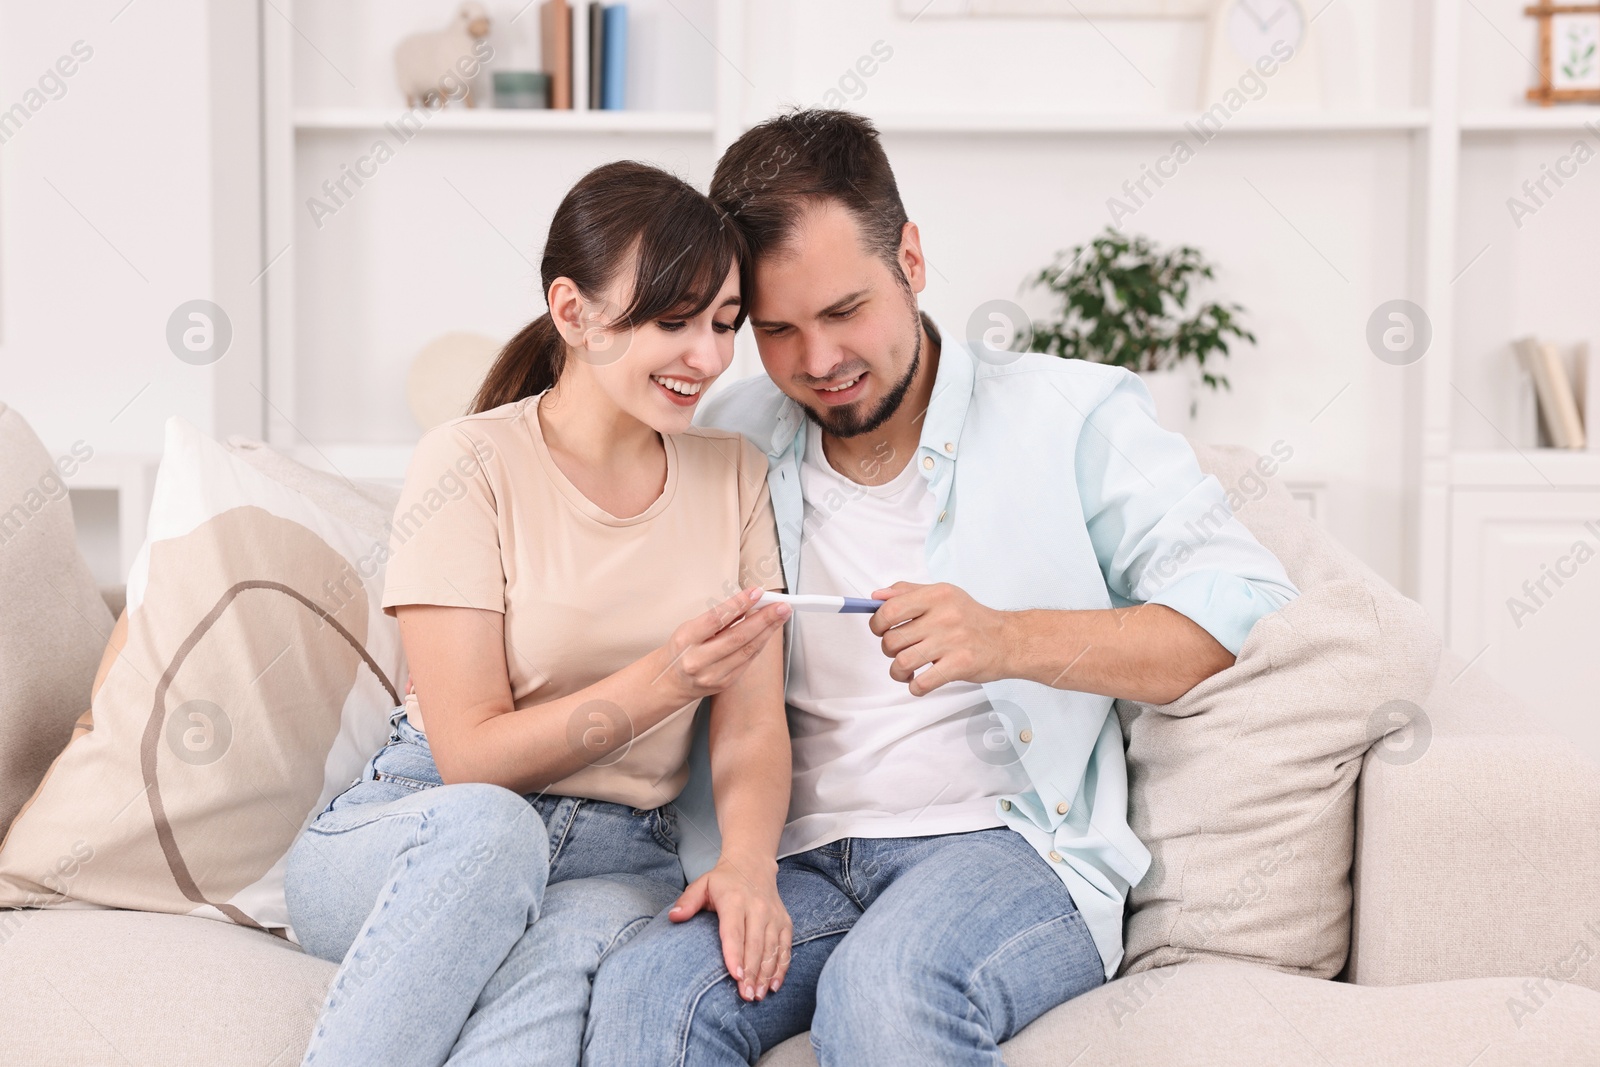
column 870, row 759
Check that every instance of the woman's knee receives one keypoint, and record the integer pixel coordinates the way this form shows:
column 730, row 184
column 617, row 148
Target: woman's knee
column 483, row 820
column 455, row 837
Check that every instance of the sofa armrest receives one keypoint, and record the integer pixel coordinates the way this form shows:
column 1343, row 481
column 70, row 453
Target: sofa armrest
column 1480, row 858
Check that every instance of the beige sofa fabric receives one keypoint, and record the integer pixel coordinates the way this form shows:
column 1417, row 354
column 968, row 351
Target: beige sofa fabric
column 1236, row 1015
column 125, row 987
column 1243, row 788
column 1480, row 857
column 53, row 625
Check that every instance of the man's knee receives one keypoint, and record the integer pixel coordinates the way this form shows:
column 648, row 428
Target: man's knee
column 876, row 990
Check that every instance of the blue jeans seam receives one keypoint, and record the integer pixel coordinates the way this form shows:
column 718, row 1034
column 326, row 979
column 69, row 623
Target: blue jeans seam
column 972, row 977
column 413, row 783
column 369, row 931
column 566, row 828
column 375, row 817
column 624, row 935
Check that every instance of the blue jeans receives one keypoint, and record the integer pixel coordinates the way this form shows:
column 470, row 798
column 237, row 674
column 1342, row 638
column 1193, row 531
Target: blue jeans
column 906, row 951
column 469, row 920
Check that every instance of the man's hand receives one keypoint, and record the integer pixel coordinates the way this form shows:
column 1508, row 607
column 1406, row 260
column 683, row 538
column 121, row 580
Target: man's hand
column 939, row 625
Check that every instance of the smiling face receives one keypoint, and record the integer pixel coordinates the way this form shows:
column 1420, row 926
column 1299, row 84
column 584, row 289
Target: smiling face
column 837, row 330
column 655, row 371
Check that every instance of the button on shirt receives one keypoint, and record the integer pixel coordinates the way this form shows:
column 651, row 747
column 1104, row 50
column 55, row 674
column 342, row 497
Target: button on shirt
column 1059, row 490
column 870, row 759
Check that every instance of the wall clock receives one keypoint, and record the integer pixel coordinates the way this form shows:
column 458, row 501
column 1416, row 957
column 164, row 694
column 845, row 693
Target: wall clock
column 1262, row 36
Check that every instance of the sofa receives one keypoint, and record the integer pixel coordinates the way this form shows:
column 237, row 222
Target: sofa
column 1467, row 920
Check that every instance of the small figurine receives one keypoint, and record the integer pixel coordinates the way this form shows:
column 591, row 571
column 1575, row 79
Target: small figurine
column 434, row 67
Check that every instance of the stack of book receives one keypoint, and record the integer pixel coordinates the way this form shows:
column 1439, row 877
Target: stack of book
column 585, row 48
column 1567, row 396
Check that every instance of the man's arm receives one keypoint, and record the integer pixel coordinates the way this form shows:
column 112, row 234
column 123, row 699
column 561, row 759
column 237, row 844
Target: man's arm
column 1148, row 652
column 1193, row 578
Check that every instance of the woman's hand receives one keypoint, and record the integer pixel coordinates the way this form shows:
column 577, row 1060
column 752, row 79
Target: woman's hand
column 709, row 652
column 755, row 926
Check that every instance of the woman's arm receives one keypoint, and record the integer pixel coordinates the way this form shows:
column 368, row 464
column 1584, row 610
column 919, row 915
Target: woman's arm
column 750, row 771
column 458, row 665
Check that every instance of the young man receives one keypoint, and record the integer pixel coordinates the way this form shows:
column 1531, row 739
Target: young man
column 957, row 852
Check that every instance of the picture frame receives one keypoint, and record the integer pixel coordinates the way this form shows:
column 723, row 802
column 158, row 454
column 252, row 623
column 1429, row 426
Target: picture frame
column 1569, row 53
column 1079, row 9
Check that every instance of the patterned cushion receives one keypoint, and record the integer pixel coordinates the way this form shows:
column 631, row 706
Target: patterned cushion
column 253, row 682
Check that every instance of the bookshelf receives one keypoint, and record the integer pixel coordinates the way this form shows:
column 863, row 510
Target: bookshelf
column 1568, row 119
column 490, row 120
column 1440, row 134
column 1399, row 119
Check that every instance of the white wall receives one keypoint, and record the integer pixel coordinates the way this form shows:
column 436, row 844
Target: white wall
column 1309, row 232
column 446, row 237
column 110, row 217
column 152, row 143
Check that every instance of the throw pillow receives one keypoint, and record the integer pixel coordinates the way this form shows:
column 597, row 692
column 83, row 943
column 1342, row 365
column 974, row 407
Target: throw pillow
column 1244, row 788
column 253, row 680
column 53, row 623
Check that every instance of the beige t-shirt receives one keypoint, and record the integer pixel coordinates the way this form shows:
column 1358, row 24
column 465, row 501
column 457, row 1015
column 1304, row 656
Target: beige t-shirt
column 487, row 520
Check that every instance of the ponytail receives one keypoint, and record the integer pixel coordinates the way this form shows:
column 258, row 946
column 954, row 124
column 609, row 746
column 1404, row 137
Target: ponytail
column 529, row 364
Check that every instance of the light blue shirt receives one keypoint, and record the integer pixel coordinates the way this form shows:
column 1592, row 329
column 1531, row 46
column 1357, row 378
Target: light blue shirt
column 1055, row 488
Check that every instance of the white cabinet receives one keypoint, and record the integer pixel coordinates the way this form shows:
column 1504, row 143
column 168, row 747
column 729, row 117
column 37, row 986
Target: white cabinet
column 1525, row 598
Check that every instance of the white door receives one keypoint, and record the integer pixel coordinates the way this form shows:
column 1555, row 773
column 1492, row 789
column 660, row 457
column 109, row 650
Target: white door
column 1525, row 593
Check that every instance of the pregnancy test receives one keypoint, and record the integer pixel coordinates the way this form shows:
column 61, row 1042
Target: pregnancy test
column 819, row 602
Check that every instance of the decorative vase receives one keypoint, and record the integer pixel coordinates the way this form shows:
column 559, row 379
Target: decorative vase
column 1175, row 391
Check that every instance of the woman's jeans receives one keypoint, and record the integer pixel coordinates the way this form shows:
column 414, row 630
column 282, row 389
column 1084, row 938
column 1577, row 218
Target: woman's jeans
column 470, row 921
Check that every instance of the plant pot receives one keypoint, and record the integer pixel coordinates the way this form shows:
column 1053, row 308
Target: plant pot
column 1175, row 392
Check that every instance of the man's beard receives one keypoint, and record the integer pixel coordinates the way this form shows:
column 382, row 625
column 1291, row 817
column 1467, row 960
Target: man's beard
column 845, row 422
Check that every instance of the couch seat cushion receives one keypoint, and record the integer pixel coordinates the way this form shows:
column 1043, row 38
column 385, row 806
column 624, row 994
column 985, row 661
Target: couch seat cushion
column 1239, row 1015
column 128, row 987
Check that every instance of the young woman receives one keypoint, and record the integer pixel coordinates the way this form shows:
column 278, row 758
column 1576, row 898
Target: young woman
column 561, row 567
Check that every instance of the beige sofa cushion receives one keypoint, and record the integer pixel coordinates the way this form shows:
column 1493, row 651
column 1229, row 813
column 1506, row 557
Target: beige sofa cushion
column 1244, row 788
column 53, row 623
column 1234, row 1015
column 255, row 680
column 1462, row 869
column 124, row 987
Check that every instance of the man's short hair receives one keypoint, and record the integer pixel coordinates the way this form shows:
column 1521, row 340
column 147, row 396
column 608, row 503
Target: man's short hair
column 777, row 170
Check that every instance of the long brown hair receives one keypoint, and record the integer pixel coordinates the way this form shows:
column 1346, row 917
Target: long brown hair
column 683, row 246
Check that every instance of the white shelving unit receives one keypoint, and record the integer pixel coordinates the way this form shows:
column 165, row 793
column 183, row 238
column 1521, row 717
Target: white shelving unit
column 1436, row 122
column 1570, row 118
column 490, row 120
column 1117, row 124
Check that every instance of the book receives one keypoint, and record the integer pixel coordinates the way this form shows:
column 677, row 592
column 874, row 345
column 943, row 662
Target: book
column 1558, row 408
column 555, row 40
column 581, row 100
column 597, row 39
column 1588, row 390
column 614, row 85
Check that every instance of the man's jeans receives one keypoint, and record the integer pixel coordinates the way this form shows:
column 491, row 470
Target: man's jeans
column 925, row 950
column 469, row 920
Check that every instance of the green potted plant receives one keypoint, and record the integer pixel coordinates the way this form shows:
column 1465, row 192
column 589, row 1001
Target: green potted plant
column 1121, row 300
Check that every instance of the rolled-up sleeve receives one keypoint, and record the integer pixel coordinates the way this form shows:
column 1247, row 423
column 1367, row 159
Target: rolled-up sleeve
column 1162, row 529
